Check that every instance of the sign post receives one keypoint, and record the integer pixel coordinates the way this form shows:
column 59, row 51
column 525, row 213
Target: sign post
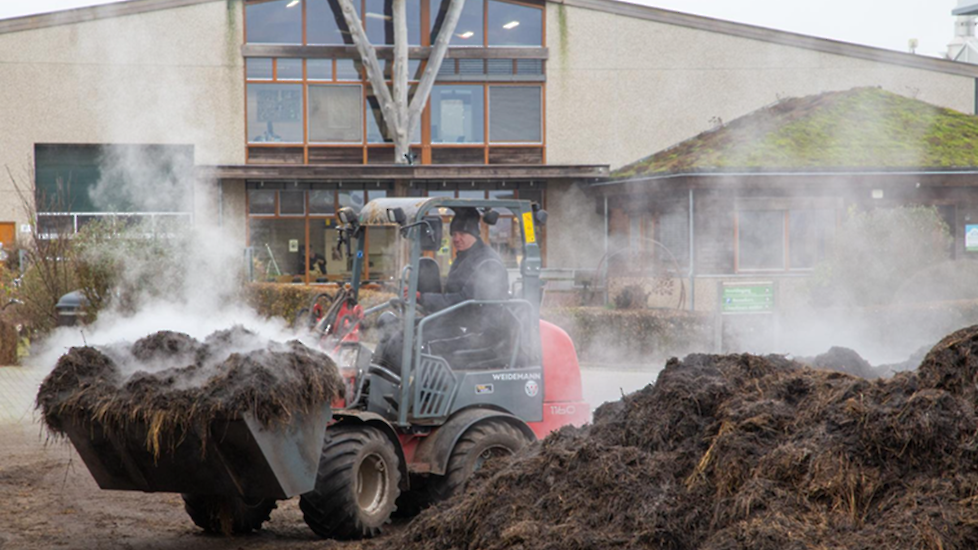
column 743, row 299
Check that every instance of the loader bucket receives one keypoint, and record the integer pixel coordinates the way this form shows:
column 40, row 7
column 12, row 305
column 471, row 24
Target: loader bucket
column 237, row 456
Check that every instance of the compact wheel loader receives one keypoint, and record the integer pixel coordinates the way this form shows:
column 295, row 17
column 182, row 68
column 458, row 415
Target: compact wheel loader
column 400, row 438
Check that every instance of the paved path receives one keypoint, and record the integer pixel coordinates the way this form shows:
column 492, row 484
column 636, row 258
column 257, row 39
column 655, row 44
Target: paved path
column 18, row 387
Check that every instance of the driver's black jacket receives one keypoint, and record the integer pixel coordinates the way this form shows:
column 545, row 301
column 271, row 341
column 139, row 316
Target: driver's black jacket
column 476, row 274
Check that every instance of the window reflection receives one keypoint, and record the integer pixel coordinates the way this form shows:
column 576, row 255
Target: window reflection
column 288, row 69
column 259, row 68
column 515, row 114
column 275, row 113
column 379, row 22
column 514, row 25
column 468, row 31
column 457, row 114
column 277, row 22
column 261, row 201
column 377, row 129
column 279, row 249
column 326, row 24
column 319, row 69
column 334, row 114
column 321, row 201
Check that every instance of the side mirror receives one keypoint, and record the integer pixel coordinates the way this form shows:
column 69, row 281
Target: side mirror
column 431, row 232
column 396, row 215
column 348, row 216
column 490, row 216
column 541, row 217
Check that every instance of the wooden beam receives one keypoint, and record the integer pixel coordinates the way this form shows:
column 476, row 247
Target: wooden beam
column 375, row 172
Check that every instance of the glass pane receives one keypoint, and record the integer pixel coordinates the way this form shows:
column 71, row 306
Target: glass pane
column 319, row 69
column 514, row 25
column 334, row 114
column 289, row 69
column 471, row 194
column 468, row 31
column 673, row 234
column 279, row 249
column 347, row 69
column 456, row 114
column 275, row 113
column 809, row 234
column 533, row 196
column 259, row 68
column 326, row 24
column 502, row 194
column 327, row 263
column 381, row 252
column 515, row 114
column 321, row 201
column 376, row 194
column 261, row 201
column 377, row 130
column 277, row 22
column 292, row 203
column 760, row 239
column 379, row 21
column 504, row 237
column 440, row 193
column 354, row 198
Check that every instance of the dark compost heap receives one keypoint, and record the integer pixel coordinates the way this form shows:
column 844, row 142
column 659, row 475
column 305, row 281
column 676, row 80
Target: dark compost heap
column 179, row 384
column 742, row 452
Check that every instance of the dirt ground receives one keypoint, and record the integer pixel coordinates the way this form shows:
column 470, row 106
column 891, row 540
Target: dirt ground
column 48, row 500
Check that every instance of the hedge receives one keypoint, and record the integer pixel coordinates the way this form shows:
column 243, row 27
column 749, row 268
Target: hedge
column 286, row 300
column 635, row 335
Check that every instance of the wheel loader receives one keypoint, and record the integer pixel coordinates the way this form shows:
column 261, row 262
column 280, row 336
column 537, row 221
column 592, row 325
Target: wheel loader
column 400, row 438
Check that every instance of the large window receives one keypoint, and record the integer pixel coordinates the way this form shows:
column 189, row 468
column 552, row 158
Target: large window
column 275, row 113
column 274, row 22
column 456, row 114
column 335, row 114
column 512, row 24
column 782, row 239
column 281, row 215
column 515, row 114
column 468, row 30
column 379, row 21
column 325, row 23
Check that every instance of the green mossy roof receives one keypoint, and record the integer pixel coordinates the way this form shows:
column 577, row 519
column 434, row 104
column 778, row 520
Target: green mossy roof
column 857, row 129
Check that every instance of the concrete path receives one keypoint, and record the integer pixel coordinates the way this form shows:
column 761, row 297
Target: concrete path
column 18, row 387
column 604, row 383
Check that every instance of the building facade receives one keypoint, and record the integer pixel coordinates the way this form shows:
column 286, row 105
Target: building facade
column 265, row 108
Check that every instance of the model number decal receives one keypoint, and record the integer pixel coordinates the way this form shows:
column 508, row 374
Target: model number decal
column 563, row 410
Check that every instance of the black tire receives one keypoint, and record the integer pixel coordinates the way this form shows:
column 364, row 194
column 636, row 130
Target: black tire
column 492, row 438
column 357, row 485
column 227, row 514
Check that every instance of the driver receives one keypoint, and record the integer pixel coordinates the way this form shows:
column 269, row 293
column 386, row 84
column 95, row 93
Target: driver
column 477, row 273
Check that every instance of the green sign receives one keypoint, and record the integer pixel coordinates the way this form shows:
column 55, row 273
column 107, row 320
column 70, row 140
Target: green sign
column 748, row 298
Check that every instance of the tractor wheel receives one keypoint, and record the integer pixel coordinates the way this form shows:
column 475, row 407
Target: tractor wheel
column 227, row 514
column 356, row 487
column 490, row 439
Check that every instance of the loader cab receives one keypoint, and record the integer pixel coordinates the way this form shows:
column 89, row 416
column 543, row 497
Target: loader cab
column 502, row 370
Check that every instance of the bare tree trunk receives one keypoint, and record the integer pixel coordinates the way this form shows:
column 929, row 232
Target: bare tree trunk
column 401, row 116
column 438, row 51
column 402, row 137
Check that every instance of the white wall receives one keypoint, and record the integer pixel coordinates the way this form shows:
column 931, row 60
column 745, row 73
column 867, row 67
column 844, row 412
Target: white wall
column 171, row 76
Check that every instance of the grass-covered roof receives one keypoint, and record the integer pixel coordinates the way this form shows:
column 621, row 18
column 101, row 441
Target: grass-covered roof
column 862, row 128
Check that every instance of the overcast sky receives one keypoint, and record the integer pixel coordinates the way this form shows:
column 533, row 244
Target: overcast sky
column 889, row 24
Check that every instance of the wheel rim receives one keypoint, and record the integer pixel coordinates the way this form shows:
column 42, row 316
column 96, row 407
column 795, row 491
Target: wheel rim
column 372, row 483
column 491, row 452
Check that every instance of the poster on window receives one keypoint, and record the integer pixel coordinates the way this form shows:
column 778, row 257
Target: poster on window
column 971, row 238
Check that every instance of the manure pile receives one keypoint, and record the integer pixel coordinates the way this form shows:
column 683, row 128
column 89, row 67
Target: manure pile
column 172, row 383
column 742, row 452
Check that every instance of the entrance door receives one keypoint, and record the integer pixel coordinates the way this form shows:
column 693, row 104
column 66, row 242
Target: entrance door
column 7, row 235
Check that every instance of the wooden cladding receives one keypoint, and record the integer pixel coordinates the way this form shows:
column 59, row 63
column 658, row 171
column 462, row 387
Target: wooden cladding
column 458, row 155
column 276, row 155
column 336, row 155
column 515, row 155
column 385, row 155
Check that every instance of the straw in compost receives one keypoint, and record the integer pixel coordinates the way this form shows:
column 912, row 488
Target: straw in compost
column 742, row 452
column 186, row 385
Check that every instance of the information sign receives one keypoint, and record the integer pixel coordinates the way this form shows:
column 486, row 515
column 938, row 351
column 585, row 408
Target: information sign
column 748, row 297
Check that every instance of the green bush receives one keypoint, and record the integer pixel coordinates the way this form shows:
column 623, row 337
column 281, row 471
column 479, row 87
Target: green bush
column 287, row 300
column 874, row 252
column 638, row 335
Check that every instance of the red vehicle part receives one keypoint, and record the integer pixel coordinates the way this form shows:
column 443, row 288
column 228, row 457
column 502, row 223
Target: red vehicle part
column 563, row 400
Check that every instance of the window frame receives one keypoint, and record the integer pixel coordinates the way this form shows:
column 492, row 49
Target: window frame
column 786, row 239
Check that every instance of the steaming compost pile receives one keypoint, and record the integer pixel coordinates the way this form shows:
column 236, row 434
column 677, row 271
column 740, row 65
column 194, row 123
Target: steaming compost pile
column 741, row 451
column 172, row 383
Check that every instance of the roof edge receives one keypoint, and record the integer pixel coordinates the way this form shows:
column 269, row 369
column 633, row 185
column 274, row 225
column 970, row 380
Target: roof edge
column 783, row 172
column 765, row 34
column 91, row 13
